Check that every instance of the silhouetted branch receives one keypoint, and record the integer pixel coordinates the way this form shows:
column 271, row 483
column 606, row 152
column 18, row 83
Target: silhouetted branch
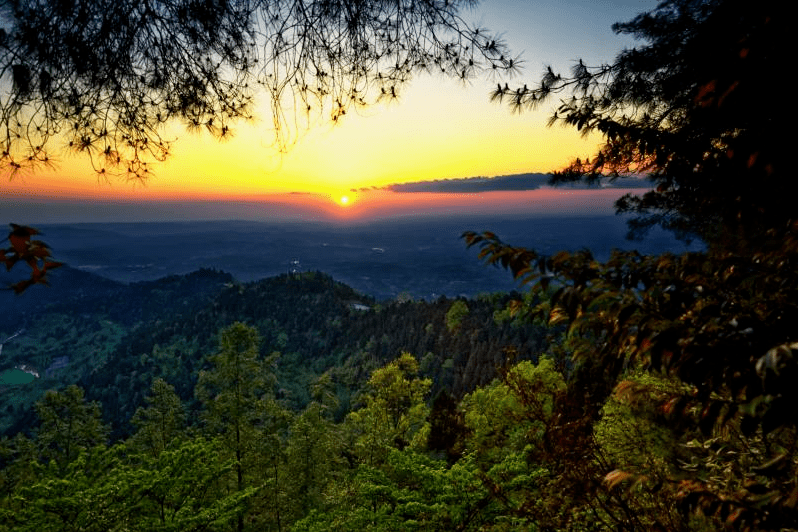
column 106, row 76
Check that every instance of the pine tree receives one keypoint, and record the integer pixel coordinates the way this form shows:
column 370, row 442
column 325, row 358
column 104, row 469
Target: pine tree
column 107, row 80
column 692, row 110
column 237, row 395
column 161, row 421
column 68, row 426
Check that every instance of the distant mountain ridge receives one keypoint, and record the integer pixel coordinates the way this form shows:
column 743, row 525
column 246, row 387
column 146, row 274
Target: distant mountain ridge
column 425, row 257
column 71, row 288
column 113, row 338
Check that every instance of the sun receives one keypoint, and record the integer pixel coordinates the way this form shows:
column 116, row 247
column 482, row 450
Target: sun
column 344, row 199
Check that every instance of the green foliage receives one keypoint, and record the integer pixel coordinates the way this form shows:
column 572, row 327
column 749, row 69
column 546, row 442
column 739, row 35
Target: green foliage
column 314, row 457
column 511, row 414
column 118, row 341
column 100, row 490
column 507, row 424
column 455, row 315
column 161, row 422
column 394, row 414
column 18, row 458
column 69, row 425
column 239, row 401
column 238, row 381
column 676, row 314
column 182, row 492
column 409, row 492
column 685, row 108
column 92, row 492
column 632, row 433
column 446, row 427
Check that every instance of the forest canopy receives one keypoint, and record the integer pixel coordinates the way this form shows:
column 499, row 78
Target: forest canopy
column 665, row 395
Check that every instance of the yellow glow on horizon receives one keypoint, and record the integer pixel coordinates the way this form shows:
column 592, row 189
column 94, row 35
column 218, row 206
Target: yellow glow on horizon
column 437, row 130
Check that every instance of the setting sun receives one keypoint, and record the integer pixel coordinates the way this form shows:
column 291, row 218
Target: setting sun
column 344, row 200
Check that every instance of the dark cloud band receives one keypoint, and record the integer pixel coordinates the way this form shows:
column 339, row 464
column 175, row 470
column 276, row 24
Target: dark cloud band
column 468, row 185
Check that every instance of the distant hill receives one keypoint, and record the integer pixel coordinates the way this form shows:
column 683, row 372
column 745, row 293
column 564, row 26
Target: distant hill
column 423, row 257
column 77, row 291
column 137, row 301
column 114, row 338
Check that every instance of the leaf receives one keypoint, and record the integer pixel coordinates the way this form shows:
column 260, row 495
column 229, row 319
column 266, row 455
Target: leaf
column 20, row 237
column 32, row 252
column 616, row 477
column 734, row 515
column 558, row 315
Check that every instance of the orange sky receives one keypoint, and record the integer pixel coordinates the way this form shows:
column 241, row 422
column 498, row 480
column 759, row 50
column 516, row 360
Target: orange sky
column 438, row 129
column 362, row 207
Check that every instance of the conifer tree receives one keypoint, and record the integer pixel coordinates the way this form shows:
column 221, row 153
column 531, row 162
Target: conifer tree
column 161, row 421
column 691, row 109
column 314, row 448
column 455, row 315
column 108, row 78
column 69, row 425
column 237, row 395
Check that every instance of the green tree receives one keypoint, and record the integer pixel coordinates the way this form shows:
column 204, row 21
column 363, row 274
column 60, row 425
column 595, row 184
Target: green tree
column 314, row 449
column 512, row 413
column 161, row 421
column 102, row 490
column 676, row 314
column 410, row 491
column 237, row 395
column 18, row 467
column 92, row 492
column 446, row 426
column 394, row 413
column 180, row 489
column 633, row 435
column 455, row 315
column 68, row 426
column 508, row 424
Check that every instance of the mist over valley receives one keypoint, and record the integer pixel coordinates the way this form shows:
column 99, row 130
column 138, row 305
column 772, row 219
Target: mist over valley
column 423, row 257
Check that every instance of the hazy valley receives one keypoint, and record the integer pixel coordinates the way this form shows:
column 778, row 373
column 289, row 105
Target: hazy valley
column 423, row 257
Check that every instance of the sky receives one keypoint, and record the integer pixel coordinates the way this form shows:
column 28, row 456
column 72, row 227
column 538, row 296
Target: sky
column 437, row 129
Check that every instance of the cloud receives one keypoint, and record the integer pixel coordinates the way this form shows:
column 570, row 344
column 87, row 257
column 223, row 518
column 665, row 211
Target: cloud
column 468, row 185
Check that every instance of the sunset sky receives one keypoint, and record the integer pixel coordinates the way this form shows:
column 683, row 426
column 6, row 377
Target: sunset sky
column 438, row 129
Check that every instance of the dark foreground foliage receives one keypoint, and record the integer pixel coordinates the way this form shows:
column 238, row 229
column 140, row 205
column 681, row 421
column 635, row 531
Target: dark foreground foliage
column 689, row 110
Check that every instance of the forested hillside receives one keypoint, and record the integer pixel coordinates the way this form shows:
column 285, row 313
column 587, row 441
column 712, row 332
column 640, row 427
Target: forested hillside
column 635, row 392
column 113, row 339
column 195, row 390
